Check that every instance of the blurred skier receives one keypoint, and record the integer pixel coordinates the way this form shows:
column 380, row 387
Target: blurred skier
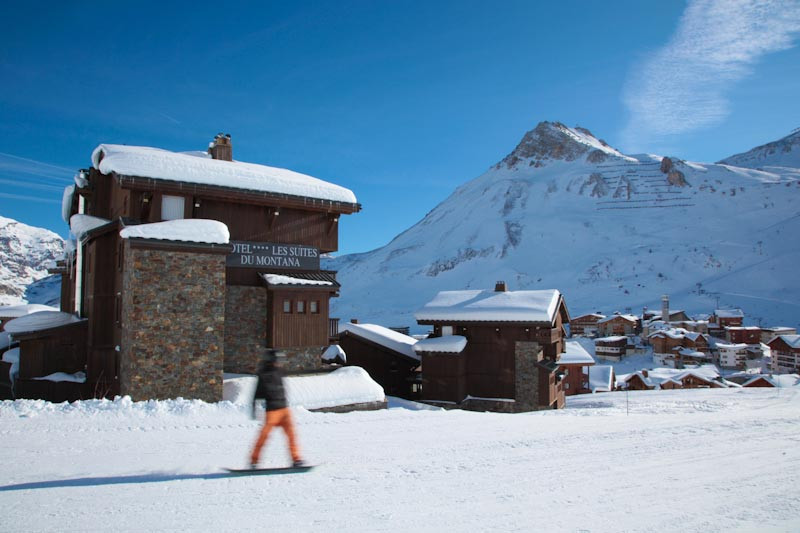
column 270, row 388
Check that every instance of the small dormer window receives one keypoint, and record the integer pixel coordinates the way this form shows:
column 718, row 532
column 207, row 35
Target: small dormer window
column 172, row 207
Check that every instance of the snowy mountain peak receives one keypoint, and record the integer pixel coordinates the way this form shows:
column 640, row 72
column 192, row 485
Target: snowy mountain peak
column 24, row 253
column 784, row 152
column 550, row 141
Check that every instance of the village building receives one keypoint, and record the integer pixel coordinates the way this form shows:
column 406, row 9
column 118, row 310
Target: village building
column 723, row 318
column 701, row 377
column 732, row 355
column 785, row 351
column 743, row 334
column 387, row 355
column 773, row 380
column 618, row 325
column 575, row 363
column 676, row 347
column 188, row 265
column 767, row 334
column 585, row 325
column 508, row 352
column 611, row 348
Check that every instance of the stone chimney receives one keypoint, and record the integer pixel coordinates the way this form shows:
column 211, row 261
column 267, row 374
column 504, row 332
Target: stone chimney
column 221, row 147
column 500, row 286
column 665, row 308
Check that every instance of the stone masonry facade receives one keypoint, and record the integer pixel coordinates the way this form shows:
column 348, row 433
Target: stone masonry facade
column 245, row 328
column 173, row 322
column 527, row 355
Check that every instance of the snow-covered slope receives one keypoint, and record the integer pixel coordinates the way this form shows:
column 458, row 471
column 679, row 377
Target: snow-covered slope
column 782, row 153
column 610, row 231
column 685, row 460
column 24, row 253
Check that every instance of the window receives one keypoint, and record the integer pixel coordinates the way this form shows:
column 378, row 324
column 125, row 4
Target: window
column 172, row 207
column 447, row 331
column 313, row 307
column 287, row 306
column 301, row 306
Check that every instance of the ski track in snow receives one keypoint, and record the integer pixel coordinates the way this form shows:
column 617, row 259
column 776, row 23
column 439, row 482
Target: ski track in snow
column 702, row 460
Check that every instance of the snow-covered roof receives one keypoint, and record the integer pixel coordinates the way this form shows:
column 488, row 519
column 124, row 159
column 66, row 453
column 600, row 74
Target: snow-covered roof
column 5, row 340
column 344, row 386
column 777, row 380
column 732, row 346
column 492, row 306
column 445, row 344
column 334, row 352
column 729, row 313
column 185, row 230
column 601, row 378
column 575, row 354
column 792, row 340
column 743, row 328
column 11, row 356
column 80, row 225
column 388, row 338
column 658, row 376
column 678, row 333
column 181, row 167
column 278, row 279
column 613, row 338
column 9, row 311
column 66, row 202
column 39, row 321
column 629, row 318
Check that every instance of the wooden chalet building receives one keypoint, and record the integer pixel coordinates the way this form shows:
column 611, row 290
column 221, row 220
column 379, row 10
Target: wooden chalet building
column 191, row 264
column 618, row 325
column 585, row 324
column 611, row 348
column 675, row 347
column 387, row 355
column 785, row 354
column 743, row 334
column 575, row 364
column 505, row 350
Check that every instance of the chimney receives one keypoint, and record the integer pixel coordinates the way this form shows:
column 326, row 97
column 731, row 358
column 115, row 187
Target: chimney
column 354, row 321
column 665, row 308
column 500, row 286
column 221, row 147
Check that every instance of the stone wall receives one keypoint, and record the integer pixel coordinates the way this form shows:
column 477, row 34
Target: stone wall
column 245, row 328
column 526, row 355
column 303, row 358
column 173, row 320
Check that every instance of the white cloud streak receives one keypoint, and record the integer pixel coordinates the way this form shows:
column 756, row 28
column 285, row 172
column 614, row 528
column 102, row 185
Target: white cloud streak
column 682, row 86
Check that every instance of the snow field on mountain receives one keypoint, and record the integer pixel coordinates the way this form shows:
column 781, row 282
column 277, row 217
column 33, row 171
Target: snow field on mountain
column 684, row 460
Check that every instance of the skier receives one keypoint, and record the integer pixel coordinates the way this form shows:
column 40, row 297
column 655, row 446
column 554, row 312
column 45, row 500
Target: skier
column 270, row 388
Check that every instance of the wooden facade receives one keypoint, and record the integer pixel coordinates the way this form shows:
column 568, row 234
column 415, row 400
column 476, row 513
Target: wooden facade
column 395, row 371
column 743, row 335
column 92, row 277
column 488, row 366
column 585, row 324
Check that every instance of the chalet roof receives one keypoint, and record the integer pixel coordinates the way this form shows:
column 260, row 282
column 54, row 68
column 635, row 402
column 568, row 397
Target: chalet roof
column 155, row 163
column 629, row 318
column 492, row 306
column 388, row 338
column 184, row 230
column 445, row 344
column 613, row 338
column 40, row 321
column 658, row 376
column 589, row 315
column 776, row 380
column 15, row 311
column 575, row 354
column 301, row 279
column 792, row 340
column 678, row 333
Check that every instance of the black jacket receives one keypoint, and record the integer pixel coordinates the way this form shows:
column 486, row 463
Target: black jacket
column 270, row 387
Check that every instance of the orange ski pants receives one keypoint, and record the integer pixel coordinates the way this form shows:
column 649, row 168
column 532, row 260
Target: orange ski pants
column 283, row 419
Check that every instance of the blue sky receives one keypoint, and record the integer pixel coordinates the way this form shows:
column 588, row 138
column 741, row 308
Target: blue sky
column 399, row 101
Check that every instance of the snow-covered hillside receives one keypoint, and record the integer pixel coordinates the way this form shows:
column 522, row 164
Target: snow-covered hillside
column 611, row 231
column 782, row 153
column 24, row 253
column 684, row 460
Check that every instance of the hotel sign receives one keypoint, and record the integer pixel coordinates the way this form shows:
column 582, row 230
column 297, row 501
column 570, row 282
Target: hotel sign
column 268, row 255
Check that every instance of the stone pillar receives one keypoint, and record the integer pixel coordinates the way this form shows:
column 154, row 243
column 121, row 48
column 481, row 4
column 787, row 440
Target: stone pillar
column 173, row 321
column 245, row 328
column 526, row 355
